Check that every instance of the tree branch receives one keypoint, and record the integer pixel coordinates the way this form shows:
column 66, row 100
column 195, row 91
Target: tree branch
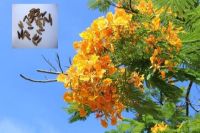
column 38, row 81
column 48, row 72
column 191, row 105
column 187, row 99
column 49, row 63
column 59, row 63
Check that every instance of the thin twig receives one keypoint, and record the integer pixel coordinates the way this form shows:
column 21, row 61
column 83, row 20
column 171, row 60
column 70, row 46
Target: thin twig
column 38, row 81
column 191, row 105
column 48, row 72
column 70, row 61
column 59, row 63
column 49, row 63
column 187, row 97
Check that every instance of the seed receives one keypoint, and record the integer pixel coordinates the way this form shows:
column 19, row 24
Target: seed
column 44, row 13
column 45, row 18
column 50, row 19
column 30, row 28
column 27, row 34
column 21, row 26
column 25, row 17
column 34, row 42
column 20, row 34
column 35, row 37
column 39, row 40
column 39, row 32
column 28, row 23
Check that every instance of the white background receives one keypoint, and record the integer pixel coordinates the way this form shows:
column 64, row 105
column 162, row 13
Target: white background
column 49, row 36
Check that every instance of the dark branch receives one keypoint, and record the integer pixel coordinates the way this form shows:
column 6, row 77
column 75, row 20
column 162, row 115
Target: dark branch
column 70, row 61
column 49, row 63
column 38, row 81
column 191, row 105
column 59, row 63
column 48, row 72
column 187, row 99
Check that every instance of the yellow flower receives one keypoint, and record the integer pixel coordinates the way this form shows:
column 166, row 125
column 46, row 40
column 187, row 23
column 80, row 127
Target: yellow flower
column 86, row 34
column 137, row 80
column 107, row 81
column 161, row 127
column 62, row 77
column 156, row 23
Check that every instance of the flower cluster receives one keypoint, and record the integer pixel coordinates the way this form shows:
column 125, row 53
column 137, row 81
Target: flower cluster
column 161, row 127
column 89, row 77
column 91, row 69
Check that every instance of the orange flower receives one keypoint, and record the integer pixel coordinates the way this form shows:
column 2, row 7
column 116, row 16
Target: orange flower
column 163, row 74
column 68, row 97
column 104, row 123
column 82, row 112
column 151, row 40
column 137, row 80
column 107, row 81
column 113, row 121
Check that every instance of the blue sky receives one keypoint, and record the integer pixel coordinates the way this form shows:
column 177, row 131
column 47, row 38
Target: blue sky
column 37, row 108
column 28, row 107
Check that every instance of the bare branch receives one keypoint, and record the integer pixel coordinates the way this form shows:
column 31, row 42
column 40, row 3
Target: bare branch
column 191, row 105
column 59, row 63
column 70, row 61
column 49, row 63
column 38, row 81
column 48, row 72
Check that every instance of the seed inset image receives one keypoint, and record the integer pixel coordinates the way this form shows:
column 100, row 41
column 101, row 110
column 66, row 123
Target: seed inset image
column 34, row 26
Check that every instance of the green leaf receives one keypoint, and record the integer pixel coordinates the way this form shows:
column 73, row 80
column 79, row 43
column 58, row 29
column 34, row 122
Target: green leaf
column 168, row 110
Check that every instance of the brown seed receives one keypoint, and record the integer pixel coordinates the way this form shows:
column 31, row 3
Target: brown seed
column 39, row 32
column 31, row 19
column 35, row 37
column 46, row 19
column 20, row 34
column 50, row 19
column 39, row 40
column 30, row 28
column 44, row 13
column 32, row 10
column 34, row 42
column 28, row 23
column 27, row 34
column 40, row 15
column 39, row 23
column 21, row 26
column 25, row 17
column 44, row 22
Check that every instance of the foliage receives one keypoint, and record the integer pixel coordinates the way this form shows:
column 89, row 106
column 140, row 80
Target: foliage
column 131, row 60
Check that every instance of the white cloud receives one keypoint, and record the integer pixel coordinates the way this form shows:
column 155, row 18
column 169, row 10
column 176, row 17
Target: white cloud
column 13, row 126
